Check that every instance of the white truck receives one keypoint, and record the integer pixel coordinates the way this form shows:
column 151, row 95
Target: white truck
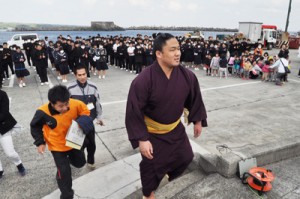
column 20, row 39
column 256, row 32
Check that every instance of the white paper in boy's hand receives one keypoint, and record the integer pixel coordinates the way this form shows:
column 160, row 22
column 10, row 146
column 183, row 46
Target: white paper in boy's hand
column 75, row 136
column 90, row 106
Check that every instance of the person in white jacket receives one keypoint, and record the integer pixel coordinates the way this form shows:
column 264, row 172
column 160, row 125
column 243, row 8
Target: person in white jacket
column 280, row 64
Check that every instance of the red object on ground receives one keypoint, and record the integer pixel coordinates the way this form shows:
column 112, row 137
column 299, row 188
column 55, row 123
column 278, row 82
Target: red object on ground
column 260, row 179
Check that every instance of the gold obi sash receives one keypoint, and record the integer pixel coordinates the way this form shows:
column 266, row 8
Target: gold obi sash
column 158, row 128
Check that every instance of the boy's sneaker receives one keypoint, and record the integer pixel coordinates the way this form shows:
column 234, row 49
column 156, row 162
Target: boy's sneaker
column 91, row 162
column 1, row 174
column 21, row 169
column 91, row 166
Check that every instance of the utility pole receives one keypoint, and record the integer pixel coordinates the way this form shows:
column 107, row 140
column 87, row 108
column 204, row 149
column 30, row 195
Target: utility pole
column 285, row 35
column 288, row 17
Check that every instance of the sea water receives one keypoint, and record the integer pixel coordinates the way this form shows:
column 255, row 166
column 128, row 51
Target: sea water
column 52, row 35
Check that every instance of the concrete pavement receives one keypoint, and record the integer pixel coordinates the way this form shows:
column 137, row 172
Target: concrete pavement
column 252, row 118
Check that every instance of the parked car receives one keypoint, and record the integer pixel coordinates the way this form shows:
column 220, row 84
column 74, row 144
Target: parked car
column 20, row 39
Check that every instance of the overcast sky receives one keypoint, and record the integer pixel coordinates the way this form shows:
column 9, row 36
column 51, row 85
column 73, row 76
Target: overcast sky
column 125, row 13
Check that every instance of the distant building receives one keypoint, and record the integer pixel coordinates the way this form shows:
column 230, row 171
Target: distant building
column 105, row 25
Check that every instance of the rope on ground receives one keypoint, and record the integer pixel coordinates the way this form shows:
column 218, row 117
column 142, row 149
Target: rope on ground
column 223, row 149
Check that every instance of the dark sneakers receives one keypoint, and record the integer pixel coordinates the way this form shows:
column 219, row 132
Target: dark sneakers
column 21, row 169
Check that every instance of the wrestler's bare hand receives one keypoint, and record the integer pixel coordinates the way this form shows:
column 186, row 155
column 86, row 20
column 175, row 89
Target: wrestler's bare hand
column 146, row 149
column 197, row 129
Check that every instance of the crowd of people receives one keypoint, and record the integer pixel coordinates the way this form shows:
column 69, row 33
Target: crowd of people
column 236, row 59
column 231, row 57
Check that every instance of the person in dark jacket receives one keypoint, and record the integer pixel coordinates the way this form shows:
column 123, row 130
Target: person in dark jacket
column 62, row 60
column 1, row 68
column 198, row 50
column 92, row 51
column 188, row 54
column 234, row 49
column 50, row 51
column 84, row 58
column 139, row 58
column 223, row 66
column 283, row 51
column 32, row 54
column 21, row 71
column 27, row 46
column 121, row 52
column 70, row 52
column 149, row 55
column 55, row 56
column 7, row 60
column 40, row 57
column 7, row 123
column 244, row 45
column 223, row 49
column 110, row 52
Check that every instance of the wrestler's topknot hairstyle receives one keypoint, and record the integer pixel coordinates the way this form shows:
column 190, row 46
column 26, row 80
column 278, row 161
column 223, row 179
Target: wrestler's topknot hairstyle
column 160, row 41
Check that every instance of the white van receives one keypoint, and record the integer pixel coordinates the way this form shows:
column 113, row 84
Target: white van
column 20, row 39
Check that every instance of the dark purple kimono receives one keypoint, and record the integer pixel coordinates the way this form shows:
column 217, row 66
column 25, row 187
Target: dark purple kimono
column 162, row 99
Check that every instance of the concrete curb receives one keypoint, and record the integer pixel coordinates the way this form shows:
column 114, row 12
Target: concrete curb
column 227, row 164
column 116, row 180
column 178, row 185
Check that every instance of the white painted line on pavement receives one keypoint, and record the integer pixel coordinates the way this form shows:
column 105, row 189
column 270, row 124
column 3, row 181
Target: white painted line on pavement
column 114, row 102
column 206, row 89
column 294, row 80
column 11, row 81
column 229, row 86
